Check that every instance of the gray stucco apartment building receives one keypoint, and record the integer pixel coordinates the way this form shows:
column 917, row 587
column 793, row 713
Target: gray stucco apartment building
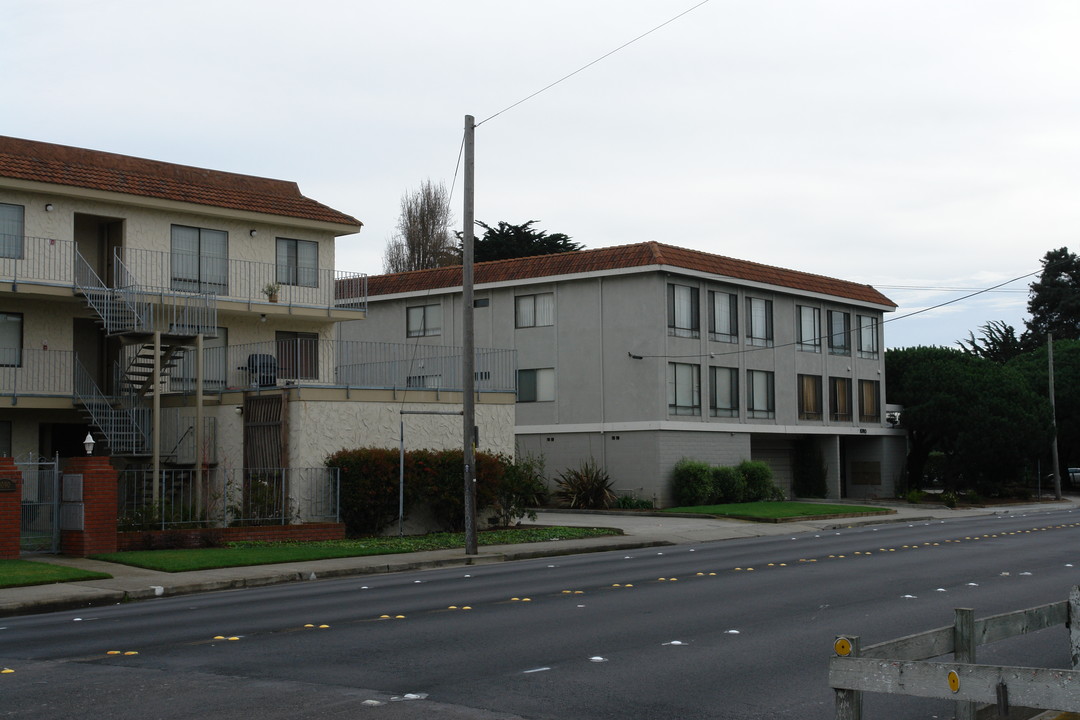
column 640, row 355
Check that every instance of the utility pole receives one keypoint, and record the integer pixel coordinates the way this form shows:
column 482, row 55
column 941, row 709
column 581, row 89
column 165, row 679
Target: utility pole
column 468, row 340
column 1053, row 410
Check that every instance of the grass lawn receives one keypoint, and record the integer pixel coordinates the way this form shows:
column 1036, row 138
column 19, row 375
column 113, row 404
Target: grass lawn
column 265, row 553
column 15, row 573
column 779, row 510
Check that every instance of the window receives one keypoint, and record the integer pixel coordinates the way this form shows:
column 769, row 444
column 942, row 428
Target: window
column 723, row 392
column 684, row 389
column 481, row 302
column 839, row 333
column 215, row 349
column 759, row 322
column 809, row 328
column 723, row 317
column 536, row 385
column 423, row 381
column 682, row 311
column 11, row 230
column 297, row 262
column 868, row 338
column 809, row 397
column 534, row 310
column 200, row 260
column 760, row 394
column 423, row 320
column 869, row 404
column 11, row 338
column 297, row 355
column 839, row 399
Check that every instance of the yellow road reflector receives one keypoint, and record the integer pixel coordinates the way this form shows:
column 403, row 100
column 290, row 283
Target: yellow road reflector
column 131, row 652
column 399, row 617
column 954, row 681
column 219, row 637
column 463, row 607
column 842, row 647
column 324, row 626
column 384, row 617
column 530, row 599
column 566, row 592
column 629, row 585
column 113, row 652
column 710, row 574
column 6, row 671
column 233, row 638
column 454, row 607
column 579, row 592
column 662, row 579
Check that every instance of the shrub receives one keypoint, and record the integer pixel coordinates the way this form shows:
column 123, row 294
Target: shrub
column 522, row 489
column 728, row 485
column 914, row 496
column 588, row 486
column 692, row 483
column 631, row 502
column 759, row 481
column 948, row 498
column 972, row 497
column 369, row 489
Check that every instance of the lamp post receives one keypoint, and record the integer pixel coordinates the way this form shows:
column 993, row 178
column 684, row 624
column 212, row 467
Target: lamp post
column 88, row 443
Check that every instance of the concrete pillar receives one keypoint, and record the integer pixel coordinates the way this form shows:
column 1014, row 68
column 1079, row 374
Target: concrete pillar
column 10, row 508
column 88, row 508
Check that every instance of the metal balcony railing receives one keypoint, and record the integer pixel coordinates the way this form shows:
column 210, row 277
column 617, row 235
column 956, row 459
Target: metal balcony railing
column 245, row 280
column 40, row 261
column 45, row 373
column 353, row 364
column 125, row 427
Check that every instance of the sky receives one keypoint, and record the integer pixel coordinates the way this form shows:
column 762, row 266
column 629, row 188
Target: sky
column 929, row 148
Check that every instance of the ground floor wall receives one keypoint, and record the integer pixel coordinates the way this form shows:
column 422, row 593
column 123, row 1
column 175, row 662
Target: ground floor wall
column 641, row 462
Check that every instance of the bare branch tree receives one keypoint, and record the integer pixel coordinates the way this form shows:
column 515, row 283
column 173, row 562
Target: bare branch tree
column 423, row 238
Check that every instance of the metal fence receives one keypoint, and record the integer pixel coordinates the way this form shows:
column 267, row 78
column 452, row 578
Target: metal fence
column 36, row 372
column 41, row 261
column 245, row 280
column 226, row 497
column 39, row 523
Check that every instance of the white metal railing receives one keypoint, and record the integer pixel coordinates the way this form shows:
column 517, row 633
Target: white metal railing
column 35, row 372
column 42, row 261
column 333, row 363
column 244, row 280
column 226, row 497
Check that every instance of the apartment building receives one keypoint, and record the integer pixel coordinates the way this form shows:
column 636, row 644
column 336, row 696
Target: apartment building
column 640, row 355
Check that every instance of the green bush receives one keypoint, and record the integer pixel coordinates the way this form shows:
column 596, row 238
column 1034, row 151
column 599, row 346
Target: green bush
column 631, row 502
column 369, row 489
column 588, row 487
column 759, row 482
column 914, row 496
column 692, row 483
column 522, row 489
column 948, row 498
column 728, row 486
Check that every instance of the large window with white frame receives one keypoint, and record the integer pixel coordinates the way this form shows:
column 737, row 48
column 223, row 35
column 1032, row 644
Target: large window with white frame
column 536, row 385
column 760, row 394
column 869, row 401
column 682, row 311
column 723, row 392
column 809, row 328
column 868, row 336
column 11, row 339
column 759, row 322
column 12, row 230
column 297, row 262
column 534, row 310
column 423, row 320
column 840, row 399
column 200, row 260
column 839, row 332
column 810, row 397
column 684, row 389
column 723, row 316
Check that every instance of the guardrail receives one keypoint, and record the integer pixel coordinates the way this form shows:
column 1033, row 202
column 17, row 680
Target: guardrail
column 902, row 666
column 41, row 261
column 42, row 373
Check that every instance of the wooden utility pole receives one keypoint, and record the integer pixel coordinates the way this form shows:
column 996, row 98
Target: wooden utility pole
column 1053, row 410
column 468, row 359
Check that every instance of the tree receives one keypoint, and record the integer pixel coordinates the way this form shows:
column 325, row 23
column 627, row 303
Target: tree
column 997, row 341
column 1035, row 369
column 423, row 238
column 983, row 416
column 513, row 241
column 1054, row 302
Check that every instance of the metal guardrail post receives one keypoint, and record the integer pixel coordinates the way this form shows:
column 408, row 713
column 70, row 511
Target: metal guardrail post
column 964, row 652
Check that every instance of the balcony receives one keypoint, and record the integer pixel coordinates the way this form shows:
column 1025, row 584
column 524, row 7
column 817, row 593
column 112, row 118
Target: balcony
column 36, row 373
column 37, row 261
column 243, row 281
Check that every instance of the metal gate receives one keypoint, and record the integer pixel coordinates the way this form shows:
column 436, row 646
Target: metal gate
column 39, row 529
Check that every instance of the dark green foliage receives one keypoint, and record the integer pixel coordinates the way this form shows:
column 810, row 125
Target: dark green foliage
column 997, row 341
column 948, row 498
column 728, row 485
column 369, row 488
column 810, row 471
column 759, row 481
column 629, row 502
column 522, row 489
column 1054, row 302
column 513, row 241
column 692, row 483
column 1034, row 367
column 587, row 487
column 915, row 496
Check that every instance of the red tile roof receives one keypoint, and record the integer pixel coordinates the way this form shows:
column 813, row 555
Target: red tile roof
column 623, row 256
column 76, row 167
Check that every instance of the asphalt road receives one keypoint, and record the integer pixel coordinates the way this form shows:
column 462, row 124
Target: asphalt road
column 733, row 629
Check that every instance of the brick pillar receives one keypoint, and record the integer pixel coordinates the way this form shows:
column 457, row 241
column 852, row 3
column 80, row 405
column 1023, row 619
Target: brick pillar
column 10, row 508
column 98, row 505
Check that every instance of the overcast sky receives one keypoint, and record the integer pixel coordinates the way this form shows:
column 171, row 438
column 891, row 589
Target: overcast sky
column 906, row 144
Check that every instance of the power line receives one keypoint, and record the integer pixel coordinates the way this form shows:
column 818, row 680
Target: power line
column 588, row 65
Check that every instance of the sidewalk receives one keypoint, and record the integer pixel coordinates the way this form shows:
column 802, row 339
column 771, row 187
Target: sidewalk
column 639, row 530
